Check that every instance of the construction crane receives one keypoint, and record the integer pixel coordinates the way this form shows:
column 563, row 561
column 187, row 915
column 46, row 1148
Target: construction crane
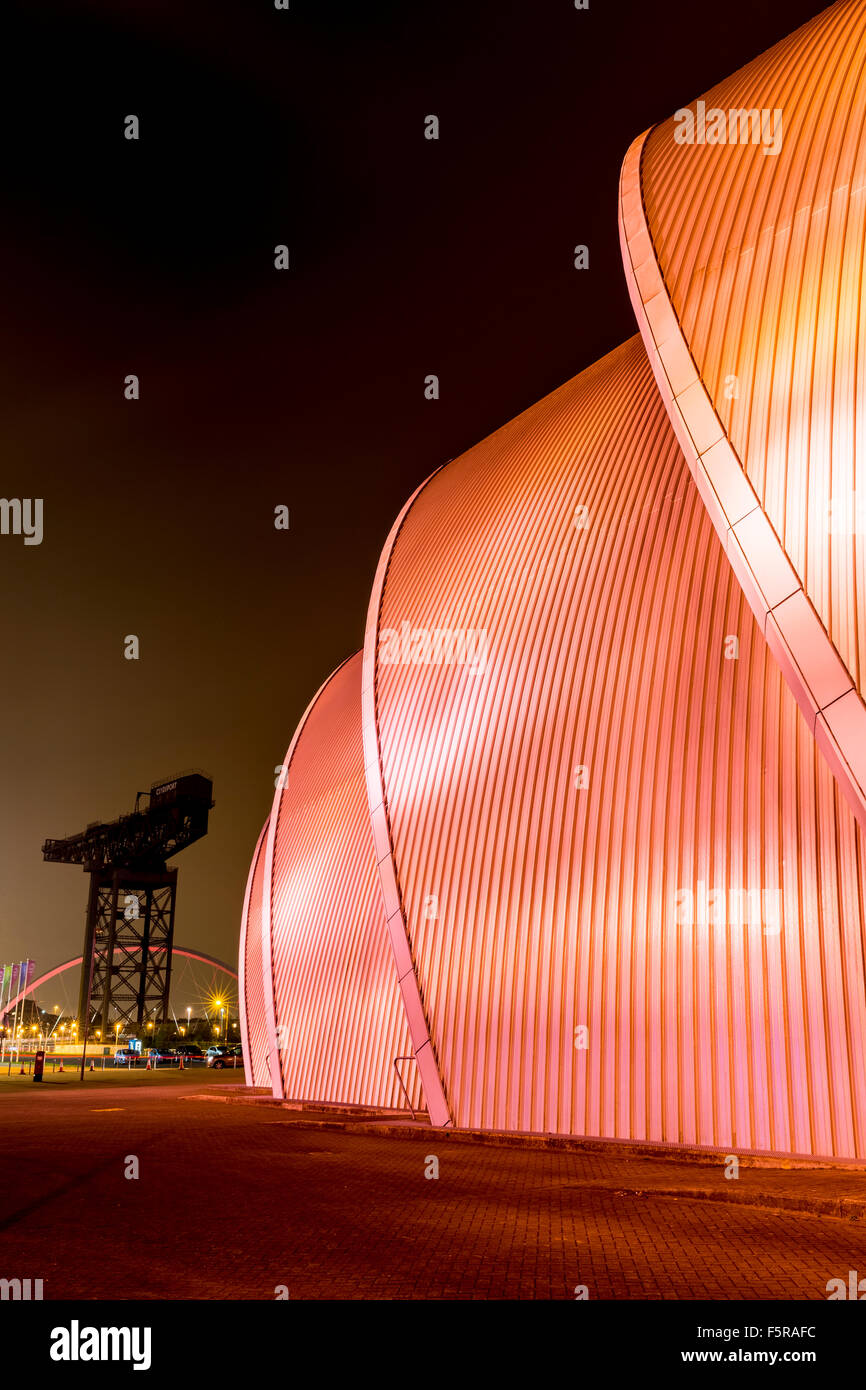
column 128, row 937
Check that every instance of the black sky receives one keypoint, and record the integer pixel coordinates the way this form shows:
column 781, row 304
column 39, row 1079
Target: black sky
column 258, row 388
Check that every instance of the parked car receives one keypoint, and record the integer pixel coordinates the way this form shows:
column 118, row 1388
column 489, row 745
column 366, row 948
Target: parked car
column 162, row 1054
column 188, row 1050
column 219, row 1057
column 124, row 1055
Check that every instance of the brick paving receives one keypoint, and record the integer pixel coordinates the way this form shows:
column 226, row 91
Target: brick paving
column 234, row 1200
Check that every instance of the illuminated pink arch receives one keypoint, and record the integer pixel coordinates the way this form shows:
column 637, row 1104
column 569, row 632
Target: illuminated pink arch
column 264, row 857
column 332, row 1006
column 251, row 997
column 77, row 961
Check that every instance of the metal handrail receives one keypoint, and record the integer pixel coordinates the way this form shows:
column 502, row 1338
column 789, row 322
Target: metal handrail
column 410, row 1058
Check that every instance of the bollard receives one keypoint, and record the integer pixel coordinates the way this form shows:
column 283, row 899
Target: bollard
column 91, row 1067
column 38, row 1066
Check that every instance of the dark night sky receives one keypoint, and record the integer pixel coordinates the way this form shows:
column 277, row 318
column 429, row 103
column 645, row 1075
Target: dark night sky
column 258, row 387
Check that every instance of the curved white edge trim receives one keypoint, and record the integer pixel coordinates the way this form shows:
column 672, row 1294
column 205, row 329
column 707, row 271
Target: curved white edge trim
column 242, row 969
column 432, row 1083
column 821, row 684
column 277, row 1086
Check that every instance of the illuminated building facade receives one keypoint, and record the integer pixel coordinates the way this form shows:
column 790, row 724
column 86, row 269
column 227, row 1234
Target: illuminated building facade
column 582, row 829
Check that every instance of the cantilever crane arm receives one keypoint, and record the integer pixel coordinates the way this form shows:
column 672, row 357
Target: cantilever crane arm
column 176, row 818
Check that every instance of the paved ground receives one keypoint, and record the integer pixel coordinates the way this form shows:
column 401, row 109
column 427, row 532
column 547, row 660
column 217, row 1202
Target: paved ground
column 234, row 1200
column 11, row 1082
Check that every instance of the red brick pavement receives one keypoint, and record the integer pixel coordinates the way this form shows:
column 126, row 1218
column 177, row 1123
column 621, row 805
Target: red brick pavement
column 234, row 1200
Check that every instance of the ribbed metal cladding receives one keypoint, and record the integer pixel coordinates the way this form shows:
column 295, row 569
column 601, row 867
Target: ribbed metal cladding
column 534, row 906
column 761, row 257
column 338, row 1015
column 250, row 989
